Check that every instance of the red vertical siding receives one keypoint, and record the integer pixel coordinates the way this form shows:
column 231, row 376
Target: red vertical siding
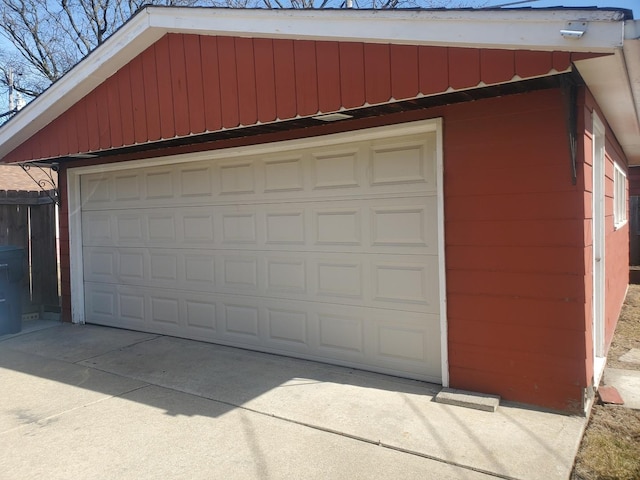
column 137, row 82
column 306, row 77
column 93, row 131
column 464, row 67
column 284, row 66
column 115, row 127
column 78, row 128
column 352, row 74
column 561, row 60
column 152, row 104
column 266, row 87
column 211, row 80
column 194, row 83
column 528, row 62
column 104, row 131
column 178, row 75
column 515, row 251
column 245, row 66
column 228, row 82
column 63, row 140
column 497, row 65
column 405, row 81
column 328, row 62
column 190, row 84
column 434, row 69
column 377, row 77
column 126, row 110
column 165, row 98
column 51, row 139
column 70, row 133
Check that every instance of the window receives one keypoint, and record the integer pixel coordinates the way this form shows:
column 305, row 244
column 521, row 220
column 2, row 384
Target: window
column 619, row 197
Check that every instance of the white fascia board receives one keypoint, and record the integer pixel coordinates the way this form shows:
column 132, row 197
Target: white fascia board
column 507, row 29
column 608, row 80
column 631, row 144
column 534, row 30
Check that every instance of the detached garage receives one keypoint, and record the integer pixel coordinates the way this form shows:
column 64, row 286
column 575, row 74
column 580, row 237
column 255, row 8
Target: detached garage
column 439, row 195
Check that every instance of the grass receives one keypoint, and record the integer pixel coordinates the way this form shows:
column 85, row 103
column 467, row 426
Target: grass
column 627, row 334
column 610, row 448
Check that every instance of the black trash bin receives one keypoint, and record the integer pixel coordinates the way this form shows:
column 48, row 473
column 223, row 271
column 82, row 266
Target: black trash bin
column 11, row 273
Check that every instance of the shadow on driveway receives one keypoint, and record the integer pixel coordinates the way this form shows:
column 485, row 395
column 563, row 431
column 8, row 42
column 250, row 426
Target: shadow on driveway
column 102, row 364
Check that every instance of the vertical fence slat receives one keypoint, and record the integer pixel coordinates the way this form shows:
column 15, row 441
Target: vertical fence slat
column 40, row 281
column 44, row 264
column 18, row 234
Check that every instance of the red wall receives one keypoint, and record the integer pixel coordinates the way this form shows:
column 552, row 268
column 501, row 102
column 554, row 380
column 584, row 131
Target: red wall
column 514, row 251
column 616, row 240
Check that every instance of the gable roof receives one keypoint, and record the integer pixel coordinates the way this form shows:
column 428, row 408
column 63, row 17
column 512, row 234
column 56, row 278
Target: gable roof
column 613, row 77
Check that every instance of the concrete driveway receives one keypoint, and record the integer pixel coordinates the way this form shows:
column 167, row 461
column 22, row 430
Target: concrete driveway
column 89, row 402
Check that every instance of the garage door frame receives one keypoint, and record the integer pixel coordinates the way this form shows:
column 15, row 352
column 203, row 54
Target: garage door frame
column 420, row 127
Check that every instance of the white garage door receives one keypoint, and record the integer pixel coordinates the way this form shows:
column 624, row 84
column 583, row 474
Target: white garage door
column 327, row 252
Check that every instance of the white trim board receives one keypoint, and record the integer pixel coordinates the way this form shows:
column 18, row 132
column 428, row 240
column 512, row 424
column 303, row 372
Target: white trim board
column 461, row 28
column 599, row 245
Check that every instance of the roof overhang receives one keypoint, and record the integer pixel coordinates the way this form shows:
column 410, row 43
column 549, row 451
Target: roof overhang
column 614, row 80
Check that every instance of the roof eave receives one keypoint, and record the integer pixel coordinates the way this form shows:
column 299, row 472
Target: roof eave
column 512, row 29
column 614, row 81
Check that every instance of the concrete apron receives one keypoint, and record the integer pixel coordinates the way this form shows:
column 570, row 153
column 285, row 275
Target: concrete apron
column 95, row 402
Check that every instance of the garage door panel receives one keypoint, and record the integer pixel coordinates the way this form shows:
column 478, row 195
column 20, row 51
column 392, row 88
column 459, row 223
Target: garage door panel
column 386, row 166
column 384, row 340
column 239, row 227
column 400, row 163
column 195, row 182
column 160, row 184
column 338, row 169
column 328, row 253
column 387, row 225
column 98, row 228
column 386, row 281
column 283, row 174
column 285, row 227
column 239, row 273
column 200, row 315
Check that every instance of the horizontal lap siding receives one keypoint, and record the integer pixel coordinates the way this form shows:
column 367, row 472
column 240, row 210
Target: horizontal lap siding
column 190, row 84
column 616, row 240
column 514, row 235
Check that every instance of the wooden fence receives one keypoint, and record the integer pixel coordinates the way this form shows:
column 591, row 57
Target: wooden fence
column 28, row 220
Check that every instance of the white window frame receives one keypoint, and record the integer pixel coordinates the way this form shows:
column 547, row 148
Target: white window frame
column 619, row 196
